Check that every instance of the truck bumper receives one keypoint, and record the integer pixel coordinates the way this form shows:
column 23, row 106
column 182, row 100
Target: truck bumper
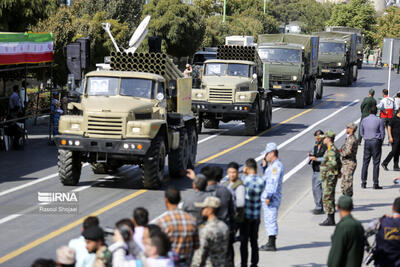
column 108, row 146
column 286, row 90
column 332, row 73
column 223, row 111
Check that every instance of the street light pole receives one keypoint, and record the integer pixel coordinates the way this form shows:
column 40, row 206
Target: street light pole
column 265, row 6
column 224, row 15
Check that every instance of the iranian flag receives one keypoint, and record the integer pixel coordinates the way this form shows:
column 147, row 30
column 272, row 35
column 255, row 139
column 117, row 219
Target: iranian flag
column 22, row 48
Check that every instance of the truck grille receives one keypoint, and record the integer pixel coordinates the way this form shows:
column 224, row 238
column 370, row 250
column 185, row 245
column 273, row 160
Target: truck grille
column 104, row 126
column 280, row 78
column 220, row 95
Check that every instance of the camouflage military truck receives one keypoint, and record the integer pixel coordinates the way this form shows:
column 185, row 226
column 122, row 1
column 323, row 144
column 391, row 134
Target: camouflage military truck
column 359, row 40
column 136, row 113
column 337, row 56
column 231, row 90
column 292, row 63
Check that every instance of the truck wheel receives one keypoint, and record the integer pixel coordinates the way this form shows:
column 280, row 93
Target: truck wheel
column 310, row 93
column 199, row 124
column 343, row 80
column 178, row 159
column 319, row 89
column 350, row 77
column 359, row 64
column 301, row 100
column 154, row 164
column 269, row 107
column 192, row 147
column 252, row 121
column 355, row 73
column 69, row 167
column 99, row 168
column 263, row 118
column 211, row 123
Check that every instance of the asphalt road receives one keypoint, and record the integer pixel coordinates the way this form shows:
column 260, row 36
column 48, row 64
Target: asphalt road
column 28, row 234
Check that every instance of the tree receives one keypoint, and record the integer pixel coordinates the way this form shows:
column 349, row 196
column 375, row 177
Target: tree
column 17, row 15
column 388, row 24
column 357, row 14
column 181, row 26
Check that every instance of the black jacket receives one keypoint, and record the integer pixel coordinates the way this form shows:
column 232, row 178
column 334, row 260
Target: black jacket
column 318, row 152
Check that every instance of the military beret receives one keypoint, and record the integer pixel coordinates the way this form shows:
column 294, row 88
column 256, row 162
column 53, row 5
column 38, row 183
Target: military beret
column 93, row 233
column 345, row 203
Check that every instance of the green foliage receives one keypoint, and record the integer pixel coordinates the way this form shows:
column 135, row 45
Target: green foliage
column 388, row 25
column 17, row 15
column 181, row 26
column 357, row 14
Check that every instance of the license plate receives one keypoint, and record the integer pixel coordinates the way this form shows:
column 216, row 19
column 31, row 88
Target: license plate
column 277, row 86
column 326, row 70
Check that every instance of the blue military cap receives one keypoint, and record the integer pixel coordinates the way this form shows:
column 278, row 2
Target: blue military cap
column 269, row 147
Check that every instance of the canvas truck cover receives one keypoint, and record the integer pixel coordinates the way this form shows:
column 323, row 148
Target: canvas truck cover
column 309, row 42
column 349, row 37
column 342, row 29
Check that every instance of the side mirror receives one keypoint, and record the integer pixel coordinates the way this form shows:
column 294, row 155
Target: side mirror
column 160, row 96
column 254, row 76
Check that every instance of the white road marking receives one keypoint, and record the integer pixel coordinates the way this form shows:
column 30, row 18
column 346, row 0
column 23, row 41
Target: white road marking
column 276, row 109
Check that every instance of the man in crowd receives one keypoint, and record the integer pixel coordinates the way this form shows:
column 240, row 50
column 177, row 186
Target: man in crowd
column 330, row 171
column 180, row 227
column 94, row 237
column 272, row 194
column 348, row 154
column 388, row 239
column 238, row 192
column 254, row 185
column 83, row 258
column 214, row 237
column 373, row 132
column 199, row 186
column 187, row 73
column 394, row 139
column 386, row 107
column 318, row 151
column 15, row 103
column 366, row 106
column 140, row 220
column 23, row 95
column 348, row 239
column 65, row 257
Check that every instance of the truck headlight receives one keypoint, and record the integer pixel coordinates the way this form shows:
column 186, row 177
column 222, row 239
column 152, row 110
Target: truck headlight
column 199, row 95
column 135, row 130
column 294, row 78
column 339, row 64
column 242, row 97
column 75, row 126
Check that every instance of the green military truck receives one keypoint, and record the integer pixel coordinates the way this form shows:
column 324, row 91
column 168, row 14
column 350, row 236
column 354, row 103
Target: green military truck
column 359, row 40
column 136, row 113
column 231, row 90
column 337, row 56
column 292, row 63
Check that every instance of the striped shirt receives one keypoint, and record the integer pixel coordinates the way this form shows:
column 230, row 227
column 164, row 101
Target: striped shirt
column 254, row 187
column 182, row 231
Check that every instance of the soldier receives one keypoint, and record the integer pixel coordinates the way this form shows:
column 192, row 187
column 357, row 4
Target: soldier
column 365, row 107
column 348, row 154
column 214, row 237
column 330, row 171
column 272, row 194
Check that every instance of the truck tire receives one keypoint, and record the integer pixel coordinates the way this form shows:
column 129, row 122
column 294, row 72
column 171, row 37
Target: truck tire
column 269, row 106
column 178, row 158
column 199, row 124
column 359, row 64
column 301, row 100
column 319, row 91
column 211, row 123
column 154, row 164
column 69, row 166
column 344, row 79
column 310, row 93
column 193, row 137
column 263, row 117
column 355, row 73
column 350, row 77
column 99, row 168
column 251, row 123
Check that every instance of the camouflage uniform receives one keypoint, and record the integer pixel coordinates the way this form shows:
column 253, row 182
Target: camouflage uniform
column 329, row 168
column 103, row 258
column 214, row 238
column 348, row 154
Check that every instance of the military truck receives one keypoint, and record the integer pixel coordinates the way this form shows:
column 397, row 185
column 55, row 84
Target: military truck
column 337, row 56
column 359, row 40
column 292, row 63
column 136, row 113
column 231, row 90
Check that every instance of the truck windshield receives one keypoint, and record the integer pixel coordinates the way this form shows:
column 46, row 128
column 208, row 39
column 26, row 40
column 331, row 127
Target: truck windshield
column 109, row 86
column 280, row 55
column 233, row 69
column 325, row 47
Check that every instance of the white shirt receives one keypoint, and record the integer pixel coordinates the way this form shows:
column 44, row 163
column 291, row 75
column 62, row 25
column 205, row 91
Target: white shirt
column 22, row 96
column 82, row 256
column 138, row 237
